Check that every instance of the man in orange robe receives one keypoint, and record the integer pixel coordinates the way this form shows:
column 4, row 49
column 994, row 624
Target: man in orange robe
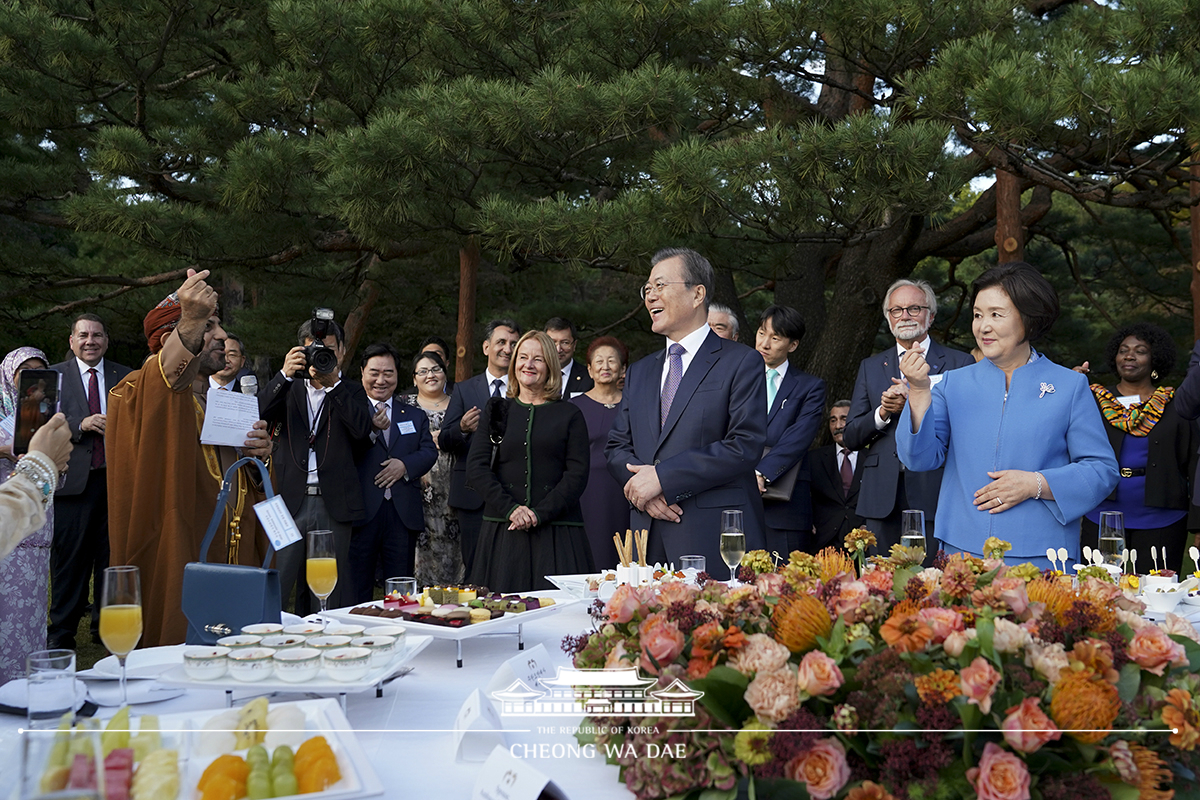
column 162, row 483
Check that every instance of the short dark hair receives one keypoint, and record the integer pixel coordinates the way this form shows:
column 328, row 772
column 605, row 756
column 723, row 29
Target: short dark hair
column 840, row 404
column 1030, row 292
column 561, row 324
column 1162, row 346
column 432, row 355
column 490, row 328
column 696, row 269
column 785, row 320
column 233, row 336
column 381, row 349
column 434, row 339
column 90, row 317
column 305, row 332
column 608, row 341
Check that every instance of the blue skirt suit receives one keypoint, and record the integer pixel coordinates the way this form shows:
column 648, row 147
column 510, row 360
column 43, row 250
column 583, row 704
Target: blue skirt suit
column 1046, row 422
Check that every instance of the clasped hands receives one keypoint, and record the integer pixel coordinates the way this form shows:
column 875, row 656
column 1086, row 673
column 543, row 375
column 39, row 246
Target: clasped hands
column 393, row 470
column 644, row 492
column 1009, row 487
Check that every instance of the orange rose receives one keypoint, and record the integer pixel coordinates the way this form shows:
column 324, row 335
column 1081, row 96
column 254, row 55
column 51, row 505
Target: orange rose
column 1000, row 775
column 942, row 621
column 819, row 675
column 822, row 768
column 851, row 595
column 878, row 579
column 868, row 790
column 979, row 682
column 1153, row 650
column 626, row 603
column 662, row 642
column 1027, row 728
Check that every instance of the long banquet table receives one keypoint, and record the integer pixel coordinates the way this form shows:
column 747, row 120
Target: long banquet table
column 406, row 734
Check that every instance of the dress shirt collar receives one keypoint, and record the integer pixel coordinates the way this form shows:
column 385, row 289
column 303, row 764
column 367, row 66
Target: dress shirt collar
column 692, row 342
column 491, row 379
column 375, row 405
column 781, row 369
column 215, row 384
column 922, row 346
column 83, row 369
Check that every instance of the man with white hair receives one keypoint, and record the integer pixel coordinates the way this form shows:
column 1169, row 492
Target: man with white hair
column 879, row 396
column 723, row 321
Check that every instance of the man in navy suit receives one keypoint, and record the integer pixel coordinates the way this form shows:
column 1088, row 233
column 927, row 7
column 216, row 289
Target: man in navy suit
column 575, row 378
column 835, row 484
column 324, row 425
column 402, row 450
column 462, row 418
column 796, row 405
column 235, row 360
column 879, row 397
column 80, row 546
column 691, row 425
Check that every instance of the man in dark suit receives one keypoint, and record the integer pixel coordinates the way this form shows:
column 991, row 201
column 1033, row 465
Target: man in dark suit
column 80, row 547
column 390, row 474
column 691, row 425
column 796, row 405
column 835, row 484
column 723, row 321
column 879, row 397
column 462, row 418
column 235, row 360
column 575, row 377
column 323, row 426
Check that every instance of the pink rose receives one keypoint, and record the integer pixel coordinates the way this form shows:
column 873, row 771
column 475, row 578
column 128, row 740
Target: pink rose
column 1049, row 660
column 957, row 640
column 676, row 592
column 822, row 768
column 1009, row 637
column 1152, row 650
column 1027, row 728
column 662, row 642
column 1179, row 626
column 774, row 695
column 1000, row 775
column 943, row 621
column 979, row 682
column 770, row 584
column 819, row 675
column 626, row 603
column 1012, row 592
column 761, row 653
column 878, row 579
column 851, row 595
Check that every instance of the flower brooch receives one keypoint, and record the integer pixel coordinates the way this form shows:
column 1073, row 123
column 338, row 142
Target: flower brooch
column 1047, row 388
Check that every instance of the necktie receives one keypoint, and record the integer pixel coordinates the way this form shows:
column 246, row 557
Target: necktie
column 899, row 358
column 847, row 473
column 772, row 388
column 93, row 399
column 674, row 376
column 496, row 384
column 387, row 432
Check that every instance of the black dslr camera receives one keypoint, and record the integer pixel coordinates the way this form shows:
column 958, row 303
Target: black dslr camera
column 317, row 355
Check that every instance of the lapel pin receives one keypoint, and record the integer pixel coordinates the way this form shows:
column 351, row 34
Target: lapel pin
column 1047, row 388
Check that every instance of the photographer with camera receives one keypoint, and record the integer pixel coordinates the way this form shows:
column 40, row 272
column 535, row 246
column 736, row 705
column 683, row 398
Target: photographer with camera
column 323, row 426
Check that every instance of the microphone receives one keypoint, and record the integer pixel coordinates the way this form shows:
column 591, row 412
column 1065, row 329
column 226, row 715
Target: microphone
column 249, row 384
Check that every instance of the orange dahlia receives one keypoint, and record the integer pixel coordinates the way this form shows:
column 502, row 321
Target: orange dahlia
column 833, row 562
column 1083, row 706
column 906, row 633
column 938, row 687
column 799, row 620
column 1181, row 714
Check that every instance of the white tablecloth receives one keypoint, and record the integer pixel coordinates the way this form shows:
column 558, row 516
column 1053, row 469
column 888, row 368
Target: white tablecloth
column 406, row 733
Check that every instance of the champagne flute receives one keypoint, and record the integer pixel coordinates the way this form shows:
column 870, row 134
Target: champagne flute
column 321, row 568
column 912, row 529
column 1112, row 536
column 121, row 616
column 733, row 542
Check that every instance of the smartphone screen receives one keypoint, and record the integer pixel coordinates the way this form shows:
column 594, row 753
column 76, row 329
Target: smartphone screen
column 37, row 402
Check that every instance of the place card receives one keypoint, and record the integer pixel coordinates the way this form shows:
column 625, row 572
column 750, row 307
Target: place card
column 477, row 729
column 506, row 777
column 528, row 667
column 277, row 522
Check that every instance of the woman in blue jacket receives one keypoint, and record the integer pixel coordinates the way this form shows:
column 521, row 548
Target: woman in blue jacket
column 1024, row 447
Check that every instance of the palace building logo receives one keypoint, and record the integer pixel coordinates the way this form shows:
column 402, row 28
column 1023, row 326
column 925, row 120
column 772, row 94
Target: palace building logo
column 609, row 692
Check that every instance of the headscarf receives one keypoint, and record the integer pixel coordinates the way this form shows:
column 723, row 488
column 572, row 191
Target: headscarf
column 8, row 376
column 161, row 320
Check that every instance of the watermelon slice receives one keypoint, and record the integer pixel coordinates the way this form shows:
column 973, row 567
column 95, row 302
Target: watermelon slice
column 83, row 773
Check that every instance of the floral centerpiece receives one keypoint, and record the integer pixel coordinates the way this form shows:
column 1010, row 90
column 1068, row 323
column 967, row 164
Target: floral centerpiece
column 837, row 676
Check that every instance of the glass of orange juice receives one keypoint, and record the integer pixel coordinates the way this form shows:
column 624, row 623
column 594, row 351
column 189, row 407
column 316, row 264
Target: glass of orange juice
column 121, row 615
column 321, row 567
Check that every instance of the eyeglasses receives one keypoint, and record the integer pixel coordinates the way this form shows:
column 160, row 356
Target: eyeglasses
column 658, row 286
column 421, row 373
column 895, row 312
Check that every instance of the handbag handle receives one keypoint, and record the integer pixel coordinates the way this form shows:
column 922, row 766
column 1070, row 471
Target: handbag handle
column 218, row 512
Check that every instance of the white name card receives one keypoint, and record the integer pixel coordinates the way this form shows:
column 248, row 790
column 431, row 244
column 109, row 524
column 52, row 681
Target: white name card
column 277, row 522
column 506, row 777
column 528, row 667
column 477, row 729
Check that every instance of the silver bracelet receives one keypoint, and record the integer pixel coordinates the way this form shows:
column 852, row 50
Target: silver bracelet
column 1038, row 496
column 44, row 478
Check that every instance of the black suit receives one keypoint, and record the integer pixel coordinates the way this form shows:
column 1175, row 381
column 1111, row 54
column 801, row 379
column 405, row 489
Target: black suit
column 887, row 488
column 792, row 424
column 834, row 511
column 342, row 436
column 80, row 547
column 579, row 382
column 389, row 534
column 466, row 502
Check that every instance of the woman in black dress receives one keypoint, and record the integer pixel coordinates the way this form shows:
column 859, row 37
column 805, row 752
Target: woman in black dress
column 529, row 461
column 605, row 509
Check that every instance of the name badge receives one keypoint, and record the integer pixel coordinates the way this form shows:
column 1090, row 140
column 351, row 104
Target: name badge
column 407, row 426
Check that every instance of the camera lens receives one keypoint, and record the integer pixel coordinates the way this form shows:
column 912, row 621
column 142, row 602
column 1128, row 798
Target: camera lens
column 323, row 359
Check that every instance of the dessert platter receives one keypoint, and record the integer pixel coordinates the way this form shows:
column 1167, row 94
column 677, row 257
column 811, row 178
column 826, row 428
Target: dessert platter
column 457, row 613
column 259, row 750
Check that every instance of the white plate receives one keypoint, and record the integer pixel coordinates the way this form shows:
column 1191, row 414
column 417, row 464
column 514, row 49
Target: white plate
column 147, row 663
column 108, row 693
column 574, row 585
column 509, row 620
column 1190, row 613
column 322, row 684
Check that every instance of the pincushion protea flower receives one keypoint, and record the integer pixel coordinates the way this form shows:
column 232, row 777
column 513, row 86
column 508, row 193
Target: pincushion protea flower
column 1084, row 706
column 833, row 562
column 799, row 620
column 1141, row 767
column 1056, row 597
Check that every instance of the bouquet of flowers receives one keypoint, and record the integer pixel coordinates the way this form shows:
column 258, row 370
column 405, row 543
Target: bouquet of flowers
column 837, row 676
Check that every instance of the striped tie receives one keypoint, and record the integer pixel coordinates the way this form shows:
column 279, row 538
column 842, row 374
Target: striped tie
column 674, row 376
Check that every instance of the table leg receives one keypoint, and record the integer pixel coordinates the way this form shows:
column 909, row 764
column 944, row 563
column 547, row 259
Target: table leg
column 229, row 698
column 521, row 636
column 458, row 645
column 342, row 700
column 379, row 689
